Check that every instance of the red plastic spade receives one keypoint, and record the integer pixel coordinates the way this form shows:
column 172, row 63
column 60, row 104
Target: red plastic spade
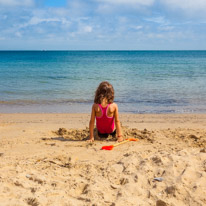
column 110, row 147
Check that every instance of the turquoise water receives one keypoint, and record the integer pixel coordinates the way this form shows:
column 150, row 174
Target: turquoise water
column 65, row 81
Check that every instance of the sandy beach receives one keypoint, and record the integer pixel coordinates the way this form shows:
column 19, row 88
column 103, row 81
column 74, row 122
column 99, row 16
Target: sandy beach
column 45, row 160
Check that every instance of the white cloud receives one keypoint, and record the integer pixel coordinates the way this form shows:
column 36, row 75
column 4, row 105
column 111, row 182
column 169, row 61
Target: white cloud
column 36, row 20
column 40, row 30
column 16, row 2
column 166, row 28
column 129, row 2
column 18, row 34
column 155, row 36
column 60, row 11
column 158, row 20
column 137, row 27
column 87, row 29
column 187, row 5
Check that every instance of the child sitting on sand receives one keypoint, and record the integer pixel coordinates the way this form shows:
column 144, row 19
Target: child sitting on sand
column 106, row 113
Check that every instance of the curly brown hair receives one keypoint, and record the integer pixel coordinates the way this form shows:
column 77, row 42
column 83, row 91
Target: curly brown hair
column 104, row 90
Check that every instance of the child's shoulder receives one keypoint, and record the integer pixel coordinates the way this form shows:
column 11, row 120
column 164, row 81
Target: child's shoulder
column 95, row 106
column 113, row 104
column 113, row 107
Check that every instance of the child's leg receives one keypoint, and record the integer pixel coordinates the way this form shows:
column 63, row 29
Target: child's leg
column 103, row 135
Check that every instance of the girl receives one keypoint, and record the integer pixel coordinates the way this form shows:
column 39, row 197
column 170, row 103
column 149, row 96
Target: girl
column 105, row 112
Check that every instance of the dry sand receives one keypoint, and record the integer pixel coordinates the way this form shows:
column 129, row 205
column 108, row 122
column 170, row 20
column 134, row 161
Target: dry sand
column 42, row 165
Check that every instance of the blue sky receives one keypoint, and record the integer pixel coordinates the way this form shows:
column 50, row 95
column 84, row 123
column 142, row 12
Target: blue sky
column 102, row 24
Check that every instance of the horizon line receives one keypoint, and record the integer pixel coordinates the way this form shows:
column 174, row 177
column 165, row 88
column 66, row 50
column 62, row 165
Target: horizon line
column 45, row 50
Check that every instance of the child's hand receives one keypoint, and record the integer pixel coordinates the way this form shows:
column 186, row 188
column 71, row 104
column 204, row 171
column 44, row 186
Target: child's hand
column 120, row 138
column 91, row 140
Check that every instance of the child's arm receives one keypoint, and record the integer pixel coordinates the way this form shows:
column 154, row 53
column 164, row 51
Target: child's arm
column 91, row 125
column 117, row 124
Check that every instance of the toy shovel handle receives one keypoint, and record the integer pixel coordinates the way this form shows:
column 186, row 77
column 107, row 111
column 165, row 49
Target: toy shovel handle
column 127, row 140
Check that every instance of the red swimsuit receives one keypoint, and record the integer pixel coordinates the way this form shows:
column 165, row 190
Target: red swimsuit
column 104, row 123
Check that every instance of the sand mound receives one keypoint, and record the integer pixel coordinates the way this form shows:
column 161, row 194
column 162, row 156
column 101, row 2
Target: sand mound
column 83, row 134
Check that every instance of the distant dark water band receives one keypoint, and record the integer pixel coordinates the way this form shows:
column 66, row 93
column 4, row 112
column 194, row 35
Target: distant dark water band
column 42, row 102
column 168, row 102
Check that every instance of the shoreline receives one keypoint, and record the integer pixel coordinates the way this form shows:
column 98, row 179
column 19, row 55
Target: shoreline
column 81, row 120
column 85, row 107
column 40, row 166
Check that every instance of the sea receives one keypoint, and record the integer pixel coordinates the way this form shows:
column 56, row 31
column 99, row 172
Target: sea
column 66, row 81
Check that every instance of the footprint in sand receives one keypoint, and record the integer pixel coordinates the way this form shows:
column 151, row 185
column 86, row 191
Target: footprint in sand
column 32, row 201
